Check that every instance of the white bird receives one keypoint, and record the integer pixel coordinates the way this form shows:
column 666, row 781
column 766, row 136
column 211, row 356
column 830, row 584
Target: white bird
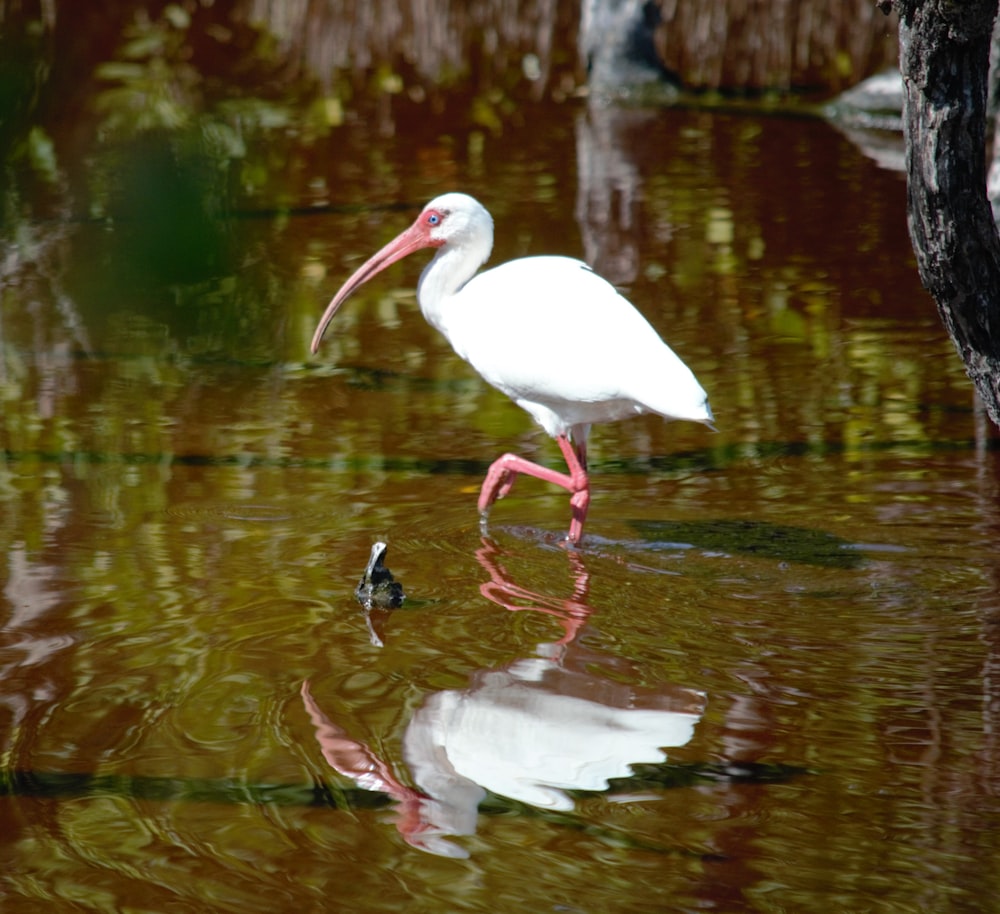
column 547, row 331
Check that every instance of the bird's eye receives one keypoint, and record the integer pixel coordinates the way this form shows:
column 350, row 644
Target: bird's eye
column 433, row 218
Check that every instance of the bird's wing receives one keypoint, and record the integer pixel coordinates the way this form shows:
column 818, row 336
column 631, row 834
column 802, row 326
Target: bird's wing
column 551, row 328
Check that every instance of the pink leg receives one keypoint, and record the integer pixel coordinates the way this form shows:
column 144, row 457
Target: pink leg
column 503, row 471
column 572, row 613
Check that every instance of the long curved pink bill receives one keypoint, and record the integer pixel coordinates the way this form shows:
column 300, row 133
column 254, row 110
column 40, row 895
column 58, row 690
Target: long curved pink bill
column 413, row 239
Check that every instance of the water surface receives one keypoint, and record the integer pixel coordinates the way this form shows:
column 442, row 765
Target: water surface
column 800, row 609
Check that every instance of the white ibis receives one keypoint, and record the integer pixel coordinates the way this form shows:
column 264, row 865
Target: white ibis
column 547, row 331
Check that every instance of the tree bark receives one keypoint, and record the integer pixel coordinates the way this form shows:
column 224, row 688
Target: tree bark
column 944, row 58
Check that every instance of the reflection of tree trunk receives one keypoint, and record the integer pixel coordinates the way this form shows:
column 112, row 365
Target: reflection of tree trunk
column 988, row 508
column 608, row 192
column 944, row 56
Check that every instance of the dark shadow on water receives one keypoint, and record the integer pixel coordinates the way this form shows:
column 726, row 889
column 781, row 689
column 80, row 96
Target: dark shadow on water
column 56, row 785
column 62, row 785
column 780, row 542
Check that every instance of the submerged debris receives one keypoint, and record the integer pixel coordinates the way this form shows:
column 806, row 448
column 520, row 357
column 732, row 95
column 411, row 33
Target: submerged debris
column 377, row 587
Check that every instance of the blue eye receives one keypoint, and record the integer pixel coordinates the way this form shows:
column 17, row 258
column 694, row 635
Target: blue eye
column 433, row 219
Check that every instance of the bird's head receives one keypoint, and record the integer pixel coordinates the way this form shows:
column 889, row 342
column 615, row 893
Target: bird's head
column 455, row 219
column 451, row 219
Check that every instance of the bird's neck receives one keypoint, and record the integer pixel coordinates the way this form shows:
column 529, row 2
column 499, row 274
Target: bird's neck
column 444, row 277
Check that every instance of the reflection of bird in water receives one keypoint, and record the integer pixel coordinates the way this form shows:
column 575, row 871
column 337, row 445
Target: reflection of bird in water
column 377, row 586
column 572, row 613
column 547, row 331
column 531, row 731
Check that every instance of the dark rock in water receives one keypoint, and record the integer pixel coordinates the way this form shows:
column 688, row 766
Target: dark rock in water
column 875, row 104
column 780, row 542
column 378, row 587
column 870, row 115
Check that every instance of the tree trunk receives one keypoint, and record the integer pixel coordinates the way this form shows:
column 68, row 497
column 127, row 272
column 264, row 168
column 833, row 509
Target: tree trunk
column 944, row 58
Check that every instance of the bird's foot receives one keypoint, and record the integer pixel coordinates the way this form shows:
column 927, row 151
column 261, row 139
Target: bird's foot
column 498, row 483
column 579, row 502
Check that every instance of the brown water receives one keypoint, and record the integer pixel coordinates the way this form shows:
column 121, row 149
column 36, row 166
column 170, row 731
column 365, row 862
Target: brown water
column 197, row 714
